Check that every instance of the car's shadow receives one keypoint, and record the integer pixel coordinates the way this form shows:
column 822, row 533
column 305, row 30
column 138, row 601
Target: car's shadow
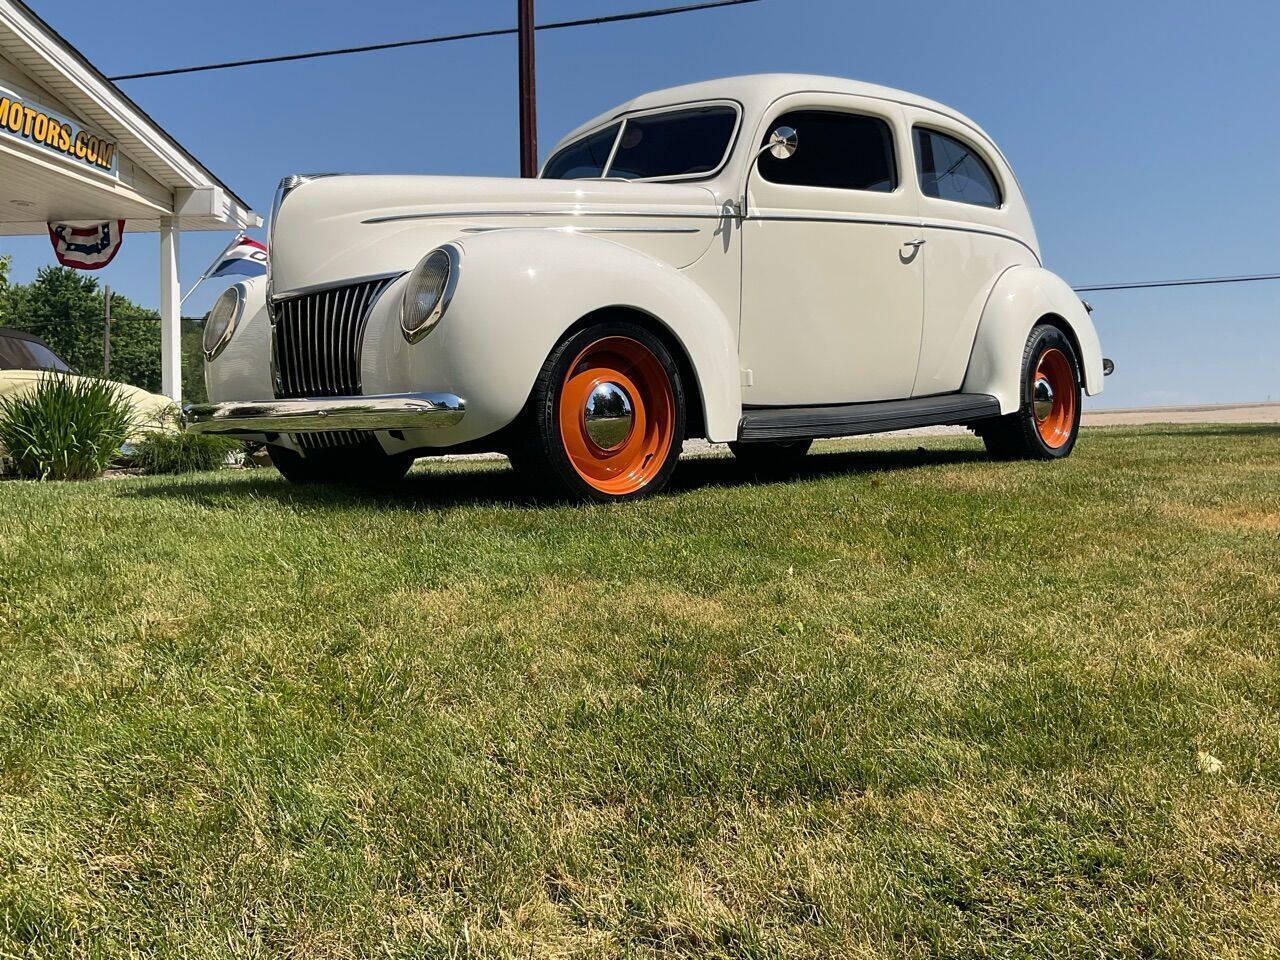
column 492, row 482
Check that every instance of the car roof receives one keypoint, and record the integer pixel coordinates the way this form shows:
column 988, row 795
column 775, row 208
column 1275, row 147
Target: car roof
column 756, row 91
column 23, row 335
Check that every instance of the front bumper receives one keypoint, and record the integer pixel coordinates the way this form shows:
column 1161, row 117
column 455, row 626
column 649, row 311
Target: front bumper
column 398, row 411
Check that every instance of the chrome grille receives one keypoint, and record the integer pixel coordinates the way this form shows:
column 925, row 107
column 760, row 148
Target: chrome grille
column 334, row 439
column 316, row 340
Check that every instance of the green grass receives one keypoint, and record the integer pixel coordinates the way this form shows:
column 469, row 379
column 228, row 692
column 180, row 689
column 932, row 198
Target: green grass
column 913, row 703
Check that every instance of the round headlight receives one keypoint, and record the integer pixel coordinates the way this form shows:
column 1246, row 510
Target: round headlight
column 220, row 324
column 429, row 291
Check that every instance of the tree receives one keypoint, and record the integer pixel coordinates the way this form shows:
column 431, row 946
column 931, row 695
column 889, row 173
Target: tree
column 193, row 390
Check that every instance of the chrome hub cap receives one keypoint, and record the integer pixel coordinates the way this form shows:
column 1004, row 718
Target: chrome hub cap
column 1042, row 398
column 608, row 415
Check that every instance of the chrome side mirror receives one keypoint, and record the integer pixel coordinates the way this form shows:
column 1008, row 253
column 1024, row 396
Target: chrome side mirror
column 783, row 143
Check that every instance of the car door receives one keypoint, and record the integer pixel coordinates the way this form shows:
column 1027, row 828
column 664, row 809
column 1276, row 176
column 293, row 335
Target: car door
column 832, row 285
column 975, row 228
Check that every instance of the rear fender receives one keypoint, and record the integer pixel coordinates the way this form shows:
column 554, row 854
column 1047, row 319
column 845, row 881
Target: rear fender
column 1021, row 298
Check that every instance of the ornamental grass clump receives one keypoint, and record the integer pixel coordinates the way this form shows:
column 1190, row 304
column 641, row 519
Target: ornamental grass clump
column 67, row 428
column 169, row 450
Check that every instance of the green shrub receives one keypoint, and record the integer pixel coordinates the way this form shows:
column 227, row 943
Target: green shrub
column 172, row 451
column 67, row 428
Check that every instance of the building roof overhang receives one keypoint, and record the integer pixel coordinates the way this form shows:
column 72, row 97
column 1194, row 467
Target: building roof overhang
column 190, row 192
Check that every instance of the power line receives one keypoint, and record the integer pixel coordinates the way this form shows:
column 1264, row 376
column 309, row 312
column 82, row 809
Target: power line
column 424, row 41
column 1193, row 282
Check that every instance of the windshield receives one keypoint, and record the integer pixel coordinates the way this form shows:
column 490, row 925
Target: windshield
column 584, row 159
column 677, row 143
column 17, row 353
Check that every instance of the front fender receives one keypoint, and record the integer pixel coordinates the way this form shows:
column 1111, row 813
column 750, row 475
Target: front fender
column 518, row 292
column 242, row 371
column 1020, row 299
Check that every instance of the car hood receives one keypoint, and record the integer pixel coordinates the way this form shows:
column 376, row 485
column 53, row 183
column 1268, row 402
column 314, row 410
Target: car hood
column 346, row 227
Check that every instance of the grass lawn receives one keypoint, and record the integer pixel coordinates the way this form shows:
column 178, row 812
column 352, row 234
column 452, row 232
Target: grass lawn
column 913, row 703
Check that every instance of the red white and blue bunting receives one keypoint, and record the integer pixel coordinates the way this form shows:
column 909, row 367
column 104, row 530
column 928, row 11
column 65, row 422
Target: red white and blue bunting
column 86, row 246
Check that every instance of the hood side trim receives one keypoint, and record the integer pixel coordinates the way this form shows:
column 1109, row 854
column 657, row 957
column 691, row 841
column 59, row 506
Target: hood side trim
column 592, row 229
column 465, row 214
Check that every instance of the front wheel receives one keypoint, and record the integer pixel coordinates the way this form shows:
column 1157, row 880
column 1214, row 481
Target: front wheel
column 605, row 421
column 1047, row 422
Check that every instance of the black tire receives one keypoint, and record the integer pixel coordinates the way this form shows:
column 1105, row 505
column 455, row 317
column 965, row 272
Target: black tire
column 1025, row 434
column 540, row 452
column 361, row 466
column 771, row 459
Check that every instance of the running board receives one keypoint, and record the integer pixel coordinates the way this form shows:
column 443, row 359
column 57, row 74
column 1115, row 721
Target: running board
column 760, row 424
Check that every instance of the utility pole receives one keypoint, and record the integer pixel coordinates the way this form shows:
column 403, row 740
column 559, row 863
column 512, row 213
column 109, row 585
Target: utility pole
column 106, row 331
column 528, row 92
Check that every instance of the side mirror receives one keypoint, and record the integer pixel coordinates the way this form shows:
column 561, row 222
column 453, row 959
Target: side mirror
column 783, row 143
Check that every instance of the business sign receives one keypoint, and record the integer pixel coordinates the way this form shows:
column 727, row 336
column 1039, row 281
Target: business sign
column 36, row 124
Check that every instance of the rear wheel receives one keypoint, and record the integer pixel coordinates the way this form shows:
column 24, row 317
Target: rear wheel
column 364, row 465
column 1047, row 421
column 777, row 458
column 605, row 421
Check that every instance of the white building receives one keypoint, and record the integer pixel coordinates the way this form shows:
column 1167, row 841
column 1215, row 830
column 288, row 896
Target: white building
column 74, row 147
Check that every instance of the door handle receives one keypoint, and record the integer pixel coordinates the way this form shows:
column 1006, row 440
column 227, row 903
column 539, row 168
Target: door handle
column 914, row 243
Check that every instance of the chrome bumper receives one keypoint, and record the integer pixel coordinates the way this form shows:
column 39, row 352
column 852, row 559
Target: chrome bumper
column 396, row 411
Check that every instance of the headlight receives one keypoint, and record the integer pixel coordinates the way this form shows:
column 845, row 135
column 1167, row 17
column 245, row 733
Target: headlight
column 220, row 325
column 429, row 291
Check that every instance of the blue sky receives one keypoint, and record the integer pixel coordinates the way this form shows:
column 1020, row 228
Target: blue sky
column 1144, row 133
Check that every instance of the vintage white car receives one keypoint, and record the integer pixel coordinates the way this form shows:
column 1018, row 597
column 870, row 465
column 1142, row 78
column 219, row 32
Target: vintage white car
column 762, row 260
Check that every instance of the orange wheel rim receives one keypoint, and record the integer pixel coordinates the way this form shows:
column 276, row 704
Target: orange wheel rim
column 1053, row 398
column 617, row 415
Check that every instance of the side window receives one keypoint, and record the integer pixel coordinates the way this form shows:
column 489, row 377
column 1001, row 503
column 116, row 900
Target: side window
column 844, row 151
column 949, row 170
column 584, row 158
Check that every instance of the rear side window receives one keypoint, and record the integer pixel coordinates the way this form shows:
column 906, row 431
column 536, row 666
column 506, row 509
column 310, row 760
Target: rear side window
column 584, row 159
column 843, row 151
column 949, row 170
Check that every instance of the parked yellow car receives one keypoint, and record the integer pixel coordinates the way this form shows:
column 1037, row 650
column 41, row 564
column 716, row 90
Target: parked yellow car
column 25, row 359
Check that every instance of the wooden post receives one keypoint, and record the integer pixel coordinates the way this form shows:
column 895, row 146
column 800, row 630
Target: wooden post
column 528, row 92
column 106, row 331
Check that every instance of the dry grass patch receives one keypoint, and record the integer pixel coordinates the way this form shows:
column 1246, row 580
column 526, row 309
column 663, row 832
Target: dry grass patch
column 1229, row 518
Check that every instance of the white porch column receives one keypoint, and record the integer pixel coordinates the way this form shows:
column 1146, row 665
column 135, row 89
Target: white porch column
column 170, row 312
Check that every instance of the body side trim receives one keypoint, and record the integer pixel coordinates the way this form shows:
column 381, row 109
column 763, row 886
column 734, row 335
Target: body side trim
column 875, row 221
column 924, row 224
